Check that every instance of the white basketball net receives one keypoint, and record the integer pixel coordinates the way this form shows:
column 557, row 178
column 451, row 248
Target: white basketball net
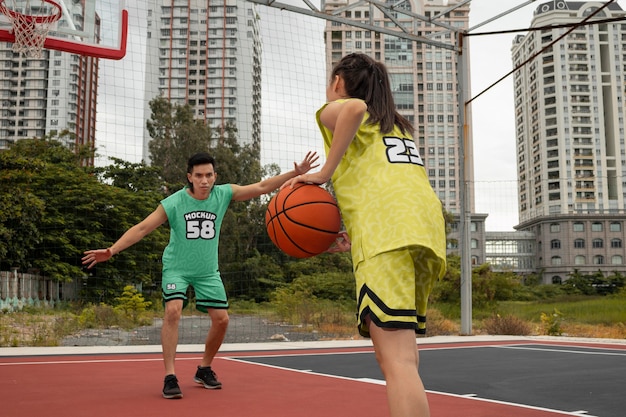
column 30, row 28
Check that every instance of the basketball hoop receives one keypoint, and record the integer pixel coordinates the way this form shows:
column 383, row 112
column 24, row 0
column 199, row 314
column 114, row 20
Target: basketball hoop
column 30, row 27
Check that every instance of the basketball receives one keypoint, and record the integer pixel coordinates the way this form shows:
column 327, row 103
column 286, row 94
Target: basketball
column 303, row 221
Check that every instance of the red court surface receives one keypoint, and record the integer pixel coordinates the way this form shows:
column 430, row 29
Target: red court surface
column 126, row 384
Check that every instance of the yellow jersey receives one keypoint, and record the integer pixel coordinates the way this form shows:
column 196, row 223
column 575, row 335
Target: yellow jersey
column 384, row 194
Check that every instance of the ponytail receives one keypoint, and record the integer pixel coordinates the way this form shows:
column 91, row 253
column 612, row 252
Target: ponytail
column 368, row 80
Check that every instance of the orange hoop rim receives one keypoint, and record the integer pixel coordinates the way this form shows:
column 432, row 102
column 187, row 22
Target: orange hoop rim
column 35, row 19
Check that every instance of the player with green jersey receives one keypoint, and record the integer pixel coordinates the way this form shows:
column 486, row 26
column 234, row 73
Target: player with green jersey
column 195, row 216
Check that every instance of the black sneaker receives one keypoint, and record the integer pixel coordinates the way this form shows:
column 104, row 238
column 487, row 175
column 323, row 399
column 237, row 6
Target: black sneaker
column 171, row 389
column 206, row 377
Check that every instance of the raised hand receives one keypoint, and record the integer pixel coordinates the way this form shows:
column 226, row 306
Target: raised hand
column 307, row 163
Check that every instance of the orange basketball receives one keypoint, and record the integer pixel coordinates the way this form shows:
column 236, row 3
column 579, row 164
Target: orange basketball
column 303, row 221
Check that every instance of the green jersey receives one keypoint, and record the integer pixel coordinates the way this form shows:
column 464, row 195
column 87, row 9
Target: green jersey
column 194, row 232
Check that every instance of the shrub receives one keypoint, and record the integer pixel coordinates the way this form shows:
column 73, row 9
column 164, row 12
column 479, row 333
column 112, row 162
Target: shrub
column 98, row 316
column 132, row 303
column 507, row 325
column 438, row 325
column 552, row 323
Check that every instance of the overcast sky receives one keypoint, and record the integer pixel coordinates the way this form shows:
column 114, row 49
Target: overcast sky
column 294, row 87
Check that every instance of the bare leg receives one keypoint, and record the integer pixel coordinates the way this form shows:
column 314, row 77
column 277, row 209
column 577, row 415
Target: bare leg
column 169, row 333
column 217, row 332
column 397, row 355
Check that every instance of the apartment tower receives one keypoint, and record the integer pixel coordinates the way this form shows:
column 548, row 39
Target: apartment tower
column 569, row 118
column 207, row 53
column 423, row 77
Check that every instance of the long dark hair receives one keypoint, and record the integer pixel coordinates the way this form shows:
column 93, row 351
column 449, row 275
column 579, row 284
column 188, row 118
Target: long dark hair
column 368, row 80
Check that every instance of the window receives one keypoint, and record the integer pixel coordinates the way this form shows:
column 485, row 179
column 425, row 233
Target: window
column 579, row 243
column 557, row 279
column 615, row 227
column 555, row 227
column 580, row 260
column 555, row 244
column 556, row 260
column 616, row 243
column 579, row 227
column 597, row 243
column 598, row 260
column 617, row 260
column 474, row 243
column 596, row 227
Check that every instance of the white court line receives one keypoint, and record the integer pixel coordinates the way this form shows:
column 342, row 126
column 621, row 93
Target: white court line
column 581, row 352
column 84, row 361
column 530, row 407
column 240, row 359
column 380, row 382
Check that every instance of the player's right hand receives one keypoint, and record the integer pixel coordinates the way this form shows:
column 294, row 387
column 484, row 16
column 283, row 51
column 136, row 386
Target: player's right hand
column 342, row 244
column 93, row 257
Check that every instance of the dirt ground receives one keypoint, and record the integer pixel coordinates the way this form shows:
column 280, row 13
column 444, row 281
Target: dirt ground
column 193, row 330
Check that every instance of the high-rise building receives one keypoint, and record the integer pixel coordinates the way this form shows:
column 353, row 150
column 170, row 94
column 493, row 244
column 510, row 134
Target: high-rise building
column 423, row 77
column 207, row 53
column 569, row 116
column 55, row 92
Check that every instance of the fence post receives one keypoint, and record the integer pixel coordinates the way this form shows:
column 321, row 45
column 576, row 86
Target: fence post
column 14, row 288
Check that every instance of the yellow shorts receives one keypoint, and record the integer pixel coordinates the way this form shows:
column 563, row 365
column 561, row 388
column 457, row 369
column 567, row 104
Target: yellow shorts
column 392, row 288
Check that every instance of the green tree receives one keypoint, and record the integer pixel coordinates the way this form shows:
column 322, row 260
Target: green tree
column 62, row 210
column 176, row 135
column 20, row 211
column 135, row 191
column 448, row 289
column 489, row 287
column 50, row 177
column 132, row 176
column 243, row 229
column 578, row 283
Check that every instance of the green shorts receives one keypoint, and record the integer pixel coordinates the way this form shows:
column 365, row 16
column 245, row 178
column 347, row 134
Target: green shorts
column 392, row 288
column 210, row 291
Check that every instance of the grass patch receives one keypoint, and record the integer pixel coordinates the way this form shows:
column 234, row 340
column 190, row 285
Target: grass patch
column 576, row 316
column 36, row 327
column 583, row 310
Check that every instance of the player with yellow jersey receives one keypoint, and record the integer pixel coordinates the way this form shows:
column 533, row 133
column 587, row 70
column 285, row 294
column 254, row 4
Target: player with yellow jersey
column 394, row 221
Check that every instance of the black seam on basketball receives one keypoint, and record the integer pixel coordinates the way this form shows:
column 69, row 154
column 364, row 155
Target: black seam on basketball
column 276, row 221
column 271, row 220
column 286, row 213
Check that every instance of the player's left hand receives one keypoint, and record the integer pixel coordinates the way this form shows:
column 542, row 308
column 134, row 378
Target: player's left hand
column 307, row 164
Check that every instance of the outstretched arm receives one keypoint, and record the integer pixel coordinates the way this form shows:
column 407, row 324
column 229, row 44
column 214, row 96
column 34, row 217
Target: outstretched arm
column 246, row 192
column 129, row 238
